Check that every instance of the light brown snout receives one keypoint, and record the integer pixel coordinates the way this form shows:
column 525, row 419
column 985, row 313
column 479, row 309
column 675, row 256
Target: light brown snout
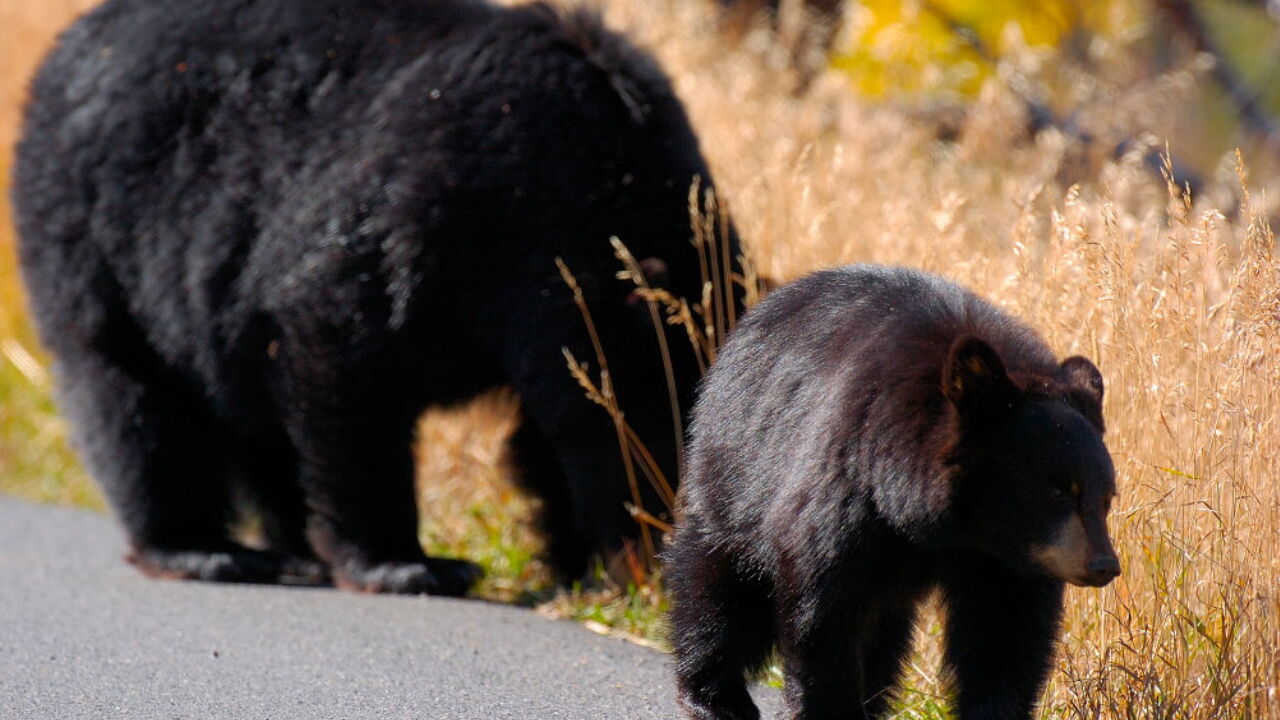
column 1081, row 552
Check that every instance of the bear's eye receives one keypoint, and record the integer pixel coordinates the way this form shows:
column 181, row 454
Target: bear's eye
column 1057, row 492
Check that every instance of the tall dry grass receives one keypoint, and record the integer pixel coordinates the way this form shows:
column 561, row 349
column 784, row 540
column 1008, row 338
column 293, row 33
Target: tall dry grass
column 1177, row 299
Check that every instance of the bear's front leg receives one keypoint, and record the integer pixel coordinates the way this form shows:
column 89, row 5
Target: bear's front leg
column 1001, row 629
column 356, row 471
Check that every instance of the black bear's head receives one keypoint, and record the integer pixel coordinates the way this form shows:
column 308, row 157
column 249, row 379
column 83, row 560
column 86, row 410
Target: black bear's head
column 1033, row 479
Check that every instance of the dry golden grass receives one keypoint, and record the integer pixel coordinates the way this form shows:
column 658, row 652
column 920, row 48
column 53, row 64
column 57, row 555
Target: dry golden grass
column 1176, row 299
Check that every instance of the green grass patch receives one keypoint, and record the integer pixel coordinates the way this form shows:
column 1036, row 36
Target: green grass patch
column 35, row 460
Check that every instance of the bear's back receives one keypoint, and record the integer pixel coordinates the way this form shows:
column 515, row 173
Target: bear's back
column 212, row 162
column 157, row 109
column 837, row 378
column 133, row 67
column 860, row 330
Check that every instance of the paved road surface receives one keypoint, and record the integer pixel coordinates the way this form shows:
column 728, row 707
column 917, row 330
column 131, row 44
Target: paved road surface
column 83, row 635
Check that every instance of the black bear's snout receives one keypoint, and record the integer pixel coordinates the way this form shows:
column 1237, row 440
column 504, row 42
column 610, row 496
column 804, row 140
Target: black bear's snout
column 1103, row 569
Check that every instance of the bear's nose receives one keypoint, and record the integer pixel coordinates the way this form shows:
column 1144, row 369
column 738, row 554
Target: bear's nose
column 1103, row 568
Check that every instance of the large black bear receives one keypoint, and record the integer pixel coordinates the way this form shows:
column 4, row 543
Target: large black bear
column 260, row 236
column 868, row 434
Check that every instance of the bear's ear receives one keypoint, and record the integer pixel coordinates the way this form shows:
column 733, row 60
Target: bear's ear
column 974, row 378
column 656, row 277
column 1079, row 372
column 1084, row 384
column 655, row 272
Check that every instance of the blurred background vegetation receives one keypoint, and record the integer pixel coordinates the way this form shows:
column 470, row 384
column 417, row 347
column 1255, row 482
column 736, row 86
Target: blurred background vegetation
column 35, row 461
column 1060, row 56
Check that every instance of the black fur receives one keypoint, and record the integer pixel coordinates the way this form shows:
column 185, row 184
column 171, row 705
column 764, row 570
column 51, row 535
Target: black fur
column 858, row 443
column 260, row 236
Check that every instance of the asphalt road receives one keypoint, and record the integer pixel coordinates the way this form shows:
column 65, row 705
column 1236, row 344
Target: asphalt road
column 83, row 635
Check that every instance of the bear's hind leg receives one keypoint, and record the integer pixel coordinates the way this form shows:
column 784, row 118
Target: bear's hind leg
column 999, row 640
column 152, row 445
column 721, row 626
column 823, row 669
column 826, row 624
column 888, row 640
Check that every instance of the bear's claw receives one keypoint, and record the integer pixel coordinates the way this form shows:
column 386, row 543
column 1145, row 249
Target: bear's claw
column 435, row 576
column 229, row 565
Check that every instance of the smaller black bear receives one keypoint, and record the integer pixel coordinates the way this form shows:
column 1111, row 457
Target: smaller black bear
column 868, row 434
